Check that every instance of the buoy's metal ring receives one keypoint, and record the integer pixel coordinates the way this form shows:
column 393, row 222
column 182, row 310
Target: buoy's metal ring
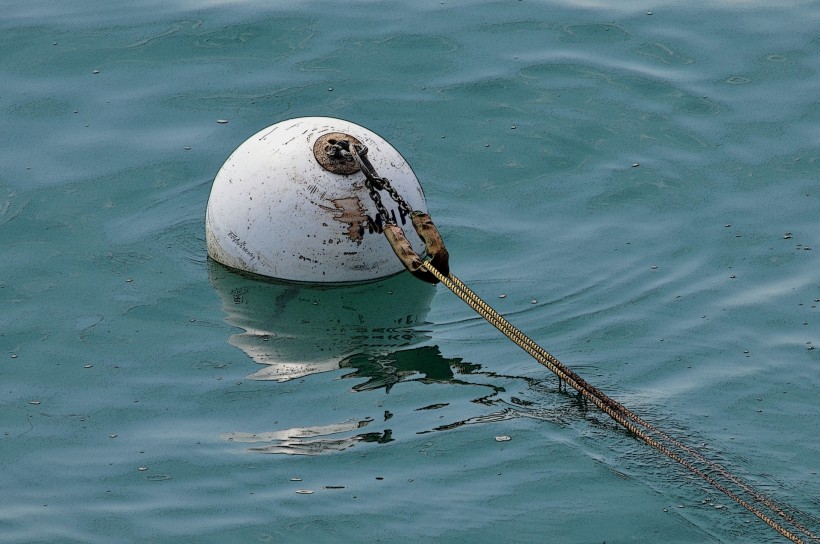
column 339, row 163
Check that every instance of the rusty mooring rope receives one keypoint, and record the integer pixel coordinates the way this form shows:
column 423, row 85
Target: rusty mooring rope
column 435, row 268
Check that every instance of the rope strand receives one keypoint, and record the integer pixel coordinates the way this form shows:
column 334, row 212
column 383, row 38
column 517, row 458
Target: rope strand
column 625, row 417
column 645, row 431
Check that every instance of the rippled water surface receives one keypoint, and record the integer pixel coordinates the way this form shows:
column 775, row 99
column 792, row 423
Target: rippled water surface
column 637, row 188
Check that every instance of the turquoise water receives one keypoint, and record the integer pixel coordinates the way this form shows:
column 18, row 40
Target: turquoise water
column 641, row 184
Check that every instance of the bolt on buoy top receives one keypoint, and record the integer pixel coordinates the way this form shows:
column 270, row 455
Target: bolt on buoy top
column 332, row 153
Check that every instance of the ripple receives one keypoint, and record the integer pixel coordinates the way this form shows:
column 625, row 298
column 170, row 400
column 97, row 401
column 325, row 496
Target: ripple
column 414, row 56
column 188, row 39
column 175, row 28
column 246, row 102
column 10, row 204
column 43, row 108
column 665, row 53
column 637, row 85
column 596, row 33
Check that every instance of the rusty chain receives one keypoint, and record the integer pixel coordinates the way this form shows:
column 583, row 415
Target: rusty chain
column 373, row 181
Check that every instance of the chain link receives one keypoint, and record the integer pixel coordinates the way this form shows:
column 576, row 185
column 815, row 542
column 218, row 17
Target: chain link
column 376, row 183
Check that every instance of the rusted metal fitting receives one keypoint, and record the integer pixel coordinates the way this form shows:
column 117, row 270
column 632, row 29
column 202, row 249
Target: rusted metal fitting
column 404, row 251
column 434, row 245
column 332, row 153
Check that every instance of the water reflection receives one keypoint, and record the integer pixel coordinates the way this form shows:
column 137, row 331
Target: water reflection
column 311, row 440
column 387, row 369
column 295, row 330
column 377, row 332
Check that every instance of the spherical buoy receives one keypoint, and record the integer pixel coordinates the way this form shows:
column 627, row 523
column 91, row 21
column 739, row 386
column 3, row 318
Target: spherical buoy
column 287, row 205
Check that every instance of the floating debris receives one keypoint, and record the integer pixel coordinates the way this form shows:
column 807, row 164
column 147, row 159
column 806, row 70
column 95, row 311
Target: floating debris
column 296, row 479
column 304, row 492
column 34, row 402
column 635, row 164
column 503, row 438
column 502, row 295
column 88, row 366
column 142, row 469
column 221, row 121
column 112, row 435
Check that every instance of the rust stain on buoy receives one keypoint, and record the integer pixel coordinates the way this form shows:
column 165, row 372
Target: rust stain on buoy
column 352, row 214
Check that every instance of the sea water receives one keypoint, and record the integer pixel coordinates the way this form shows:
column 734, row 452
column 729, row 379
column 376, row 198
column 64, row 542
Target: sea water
column 636, row 186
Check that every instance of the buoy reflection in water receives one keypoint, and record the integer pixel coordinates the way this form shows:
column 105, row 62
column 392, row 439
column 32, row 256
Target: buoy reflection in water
column 295, row 330
column 376, row 331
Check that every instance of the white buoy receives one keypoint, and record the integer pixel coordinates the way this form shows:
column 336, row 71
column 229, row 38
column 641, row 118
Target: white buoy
column 281, row 206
